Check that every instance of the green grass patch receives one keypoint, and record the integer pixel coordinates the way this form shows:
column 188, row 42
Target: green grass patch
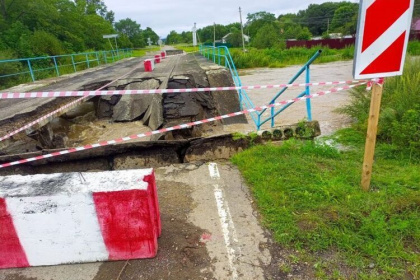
column 186, row 48
column 399, row 122
column 284, row 57
column 143, row 52
column 309, row 195
column 280, row 57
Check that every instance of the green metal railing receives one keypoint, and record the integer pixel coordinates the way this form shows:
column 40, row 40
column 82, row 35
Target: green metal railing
column 221, row 56
column 36, row 68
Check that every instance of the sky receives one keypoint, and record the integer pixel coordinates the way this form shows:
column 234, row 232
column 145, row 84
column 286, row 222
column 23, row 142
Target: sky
column 179, row 15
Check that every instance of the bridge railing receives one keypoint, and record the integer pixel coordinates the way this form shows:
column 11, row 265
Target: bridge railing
column 221, row 56
column 15, row 71
column 273, row 113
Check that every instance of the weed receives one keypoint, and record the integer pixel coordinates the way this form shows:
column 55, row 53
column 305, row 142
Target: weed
column 309, row 196
column 399, row 123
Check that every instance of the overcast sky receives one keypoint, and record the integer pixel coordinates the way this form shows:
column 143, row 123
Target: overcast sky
column 179, row 15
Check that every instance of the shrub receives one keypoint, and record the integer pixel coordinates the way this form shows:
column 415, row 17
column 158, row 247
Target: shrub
column 399, row 122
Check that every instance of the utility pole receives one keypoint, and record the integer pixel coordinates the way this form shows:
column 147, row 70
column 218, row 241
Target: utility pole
column 194, row 30
column 328, row 27
column 214, row 35
column 242, row 29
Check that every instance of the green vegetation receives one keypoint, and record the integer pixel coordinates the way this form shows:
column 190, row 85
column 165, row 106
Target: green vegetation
column 277, row 57
column 53, row 27
column 399, row 123
column 309, row 196
column 39, row 28
column 309, row 193
column 144, row 51
column 266, row 30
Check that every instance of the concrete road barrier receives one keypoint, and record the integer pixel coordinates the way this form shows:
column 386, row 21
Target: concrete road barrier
column 78, row 217
column 157, row 58
column 149, row 65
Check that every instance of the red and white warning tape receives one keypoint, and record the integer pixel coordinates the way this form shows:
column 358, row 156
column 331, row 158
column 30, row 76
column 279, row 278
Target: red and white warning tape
column 177, row 127
column 51, row 114
column 9, row 95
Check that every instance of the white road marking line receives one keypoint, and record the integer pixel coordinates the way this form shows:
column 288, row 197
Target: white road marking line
column 226, row 222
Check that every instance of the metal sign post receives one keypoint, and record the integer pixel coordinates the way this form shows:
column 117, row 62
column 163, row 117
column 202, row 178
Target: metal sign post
column 382, row 37
column 109, row 36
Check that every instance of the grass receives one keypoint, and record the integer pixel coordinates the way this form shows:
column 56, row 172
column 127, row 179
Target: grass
column 187, row 48
column 399, row 122
column 278, row 57
column 144, row 51
column 310, row 197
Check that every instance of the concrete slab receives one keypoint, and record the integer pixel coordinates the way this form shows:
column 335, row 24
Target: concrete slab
column 209, row 231
column 50, row 219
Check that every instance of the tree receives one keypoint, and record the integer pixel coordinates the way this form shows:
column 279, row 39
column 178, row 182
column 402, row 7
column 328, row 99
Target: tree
column 316, row 17
column 149, row 33
column 173, row 38
column 345, row 19
column 266, row 37
column 416, row 11
column 304, row 34
column 264, row 16
column 235, row 39
column 127, row 27
column 257, row 20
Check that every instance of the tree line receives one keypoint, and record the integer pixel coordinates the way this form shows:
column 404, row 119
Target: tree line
column 51, row 27
column 267, row 30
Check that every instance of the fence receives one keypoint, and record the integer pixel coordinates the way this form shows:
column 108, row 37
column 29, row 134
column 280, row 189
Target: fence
column 14, row 71
column 330, row 43
column 221, row 56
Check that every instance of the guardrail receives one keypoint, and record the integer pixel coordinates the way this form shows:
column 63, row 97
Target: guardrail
column 221, row 56
column 273, row 114
column 13, row 71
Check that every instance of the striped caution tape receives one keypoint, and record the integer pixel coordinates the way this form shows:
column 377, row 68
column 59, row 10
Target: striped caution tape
column 10, row 95
column 177, row 127
column 53, row 113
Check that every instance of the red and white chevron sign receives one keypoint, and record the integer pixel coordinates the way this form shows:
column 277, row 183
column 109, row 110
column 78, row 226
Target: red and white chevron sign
column 382, row 38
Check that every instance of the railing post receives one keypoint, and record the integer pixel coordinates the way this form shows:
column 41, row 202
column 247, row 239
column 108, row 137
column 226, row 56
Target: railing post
column 272, row 115
column 308, row 92
column 72, row 61
column 56, row 67
column 218, row 54
column 97, row 58
column 105, row 56
column 113, row 58
column 31, row 71
column 87, row 61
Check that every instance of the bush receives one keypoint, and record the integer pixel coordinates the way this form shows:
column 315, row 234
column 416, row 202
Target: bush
column 9, row 68
column 399, row 122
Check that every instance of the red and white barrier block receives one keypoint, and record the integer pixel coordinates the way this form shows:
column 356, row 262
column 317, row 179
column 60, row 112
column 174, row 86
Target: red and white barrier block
column 149, row 65
column 163, row 54
column 157, row 58
column 78, row 217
